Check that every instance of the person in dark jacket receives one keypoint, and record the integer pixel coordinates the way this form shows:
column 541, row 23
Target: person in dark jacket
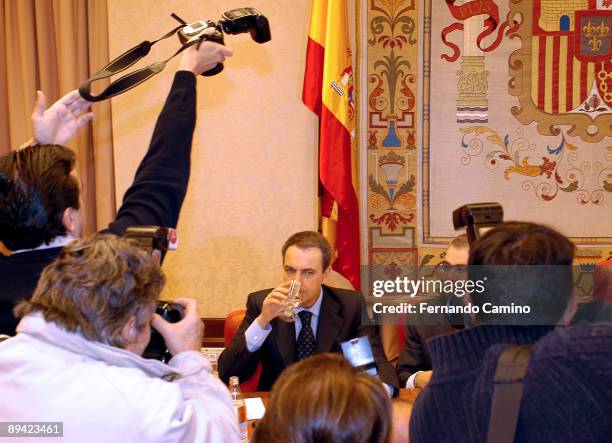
column 414, row 364
column 327, row 317
column 40, row 195
column 567, row 389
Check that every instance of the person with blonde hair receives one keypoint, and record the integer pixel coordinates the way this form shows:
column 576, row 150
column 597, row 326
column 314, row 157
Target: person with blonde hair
column 324, row 399
column 77, row 356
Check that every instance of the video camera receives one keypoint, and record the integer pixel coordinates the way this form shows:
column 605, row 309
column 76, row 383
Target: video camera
column 477, row 218
column 150, row 239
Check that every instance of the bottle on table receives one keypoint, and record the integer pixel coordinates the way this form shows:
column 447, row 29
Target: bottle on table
column 240, row 406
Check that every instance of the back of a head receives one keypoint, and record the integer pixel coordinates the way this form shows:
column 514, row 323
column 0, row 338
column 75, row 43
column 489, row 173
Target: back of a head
column 94, row 286
column 526, row 264
column 35, row 188
column 323, row 399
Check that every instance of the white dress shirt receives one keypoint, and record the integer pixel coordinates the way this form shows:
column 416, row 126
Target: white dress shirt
column 255, row 335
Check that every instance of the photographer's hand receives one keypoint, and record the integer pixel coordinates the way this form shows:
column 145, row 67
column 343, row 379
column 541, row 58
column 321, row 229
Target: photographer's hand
column 185, row 335
column 205, row 58
column 58, row 124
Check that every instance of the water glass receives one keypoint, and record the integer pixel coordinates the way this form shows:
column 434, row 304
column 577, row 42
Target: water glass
column 294, row 301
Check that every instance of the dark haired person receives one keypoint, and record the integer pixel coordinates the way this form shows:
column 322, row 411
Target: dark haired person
column 567, row 389
column 323, row 399
column 328, row 317
column 414, row 363
column 76, row 358
column 40, row 209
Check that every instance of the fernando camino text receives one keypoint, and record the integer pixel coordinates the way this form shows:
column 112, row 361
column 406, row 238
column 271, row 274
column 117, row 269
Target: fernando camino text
column 468, row 308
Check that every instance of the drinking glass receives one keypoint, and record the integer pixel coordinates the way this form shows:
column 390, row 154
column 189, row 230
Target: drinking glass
column 294, row 301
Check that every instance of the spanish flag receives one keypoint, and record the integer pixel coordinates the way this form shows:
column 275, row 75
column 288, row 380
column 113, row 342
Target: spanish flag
column 328, row 92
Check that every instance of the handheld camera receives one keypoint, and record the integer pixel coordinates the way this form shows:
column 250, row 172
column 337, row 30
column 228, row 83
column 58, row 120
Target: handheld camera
column 358, row 352
column 157, row 349
column 236, row 21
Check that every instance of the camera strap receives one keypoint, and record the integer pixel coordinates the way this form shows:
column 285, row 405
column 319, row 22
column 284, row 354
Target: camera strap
column 123, row 62
column 508, row 393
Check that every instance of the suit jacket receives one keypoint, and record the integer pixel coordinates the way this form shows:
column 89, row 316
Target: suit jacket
column 339, row 321
column 416, row 356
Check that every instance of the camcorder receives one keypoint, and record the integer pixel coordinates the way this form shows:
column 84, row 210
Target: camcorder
column 477, row 218
column 236, row 21
column 151, row 239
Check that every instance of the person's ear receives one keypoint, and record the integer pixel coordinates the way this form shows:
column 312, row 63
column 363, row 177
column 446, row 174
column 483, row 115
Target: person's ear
column 332, row 259
column 129, row 334
column 327, row 272
column 71, row 221
column 129, row 329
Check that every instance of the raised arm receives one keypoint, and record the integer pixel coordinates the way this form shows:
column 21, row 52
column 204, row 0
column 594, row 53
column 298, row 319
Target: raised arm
column 156, row 195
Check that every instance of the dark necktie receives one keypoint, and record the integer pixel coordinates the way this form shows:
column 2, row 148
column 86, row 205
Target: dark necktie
column 306, row 338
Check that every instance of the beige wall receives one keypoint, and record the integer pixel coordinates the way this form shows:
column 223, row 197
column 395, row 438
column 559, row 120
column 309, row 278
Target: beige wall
column 253, row 179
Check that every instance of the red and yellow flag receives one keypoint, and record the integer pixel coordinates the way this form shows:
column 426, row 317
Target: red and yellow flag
column 328, row 92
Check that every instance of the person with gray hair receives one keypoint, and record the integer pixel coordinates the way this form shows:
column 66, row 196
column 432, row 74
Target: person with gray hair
column 77, row 356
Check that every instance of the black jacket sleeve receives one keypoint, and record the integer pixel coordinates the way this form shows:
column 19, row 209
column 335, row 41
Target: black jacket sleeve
column 157, row 193
column 236, row 360
column 413, row 357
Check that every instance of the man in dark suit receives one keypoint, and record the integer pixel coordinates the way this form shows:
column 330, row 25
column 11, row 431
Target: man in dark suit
column 414, row 364
column 327, row 317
